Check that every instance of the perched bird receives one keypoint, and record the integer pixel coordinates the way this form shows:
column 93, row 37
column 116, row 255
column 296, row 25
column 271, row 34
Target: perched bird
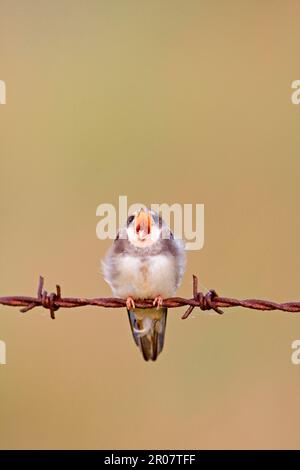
column 145, row 262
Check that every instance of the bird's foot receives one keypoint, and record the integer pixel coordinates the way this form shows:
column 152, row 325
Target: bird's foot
column 158, row 301
column 130, row 303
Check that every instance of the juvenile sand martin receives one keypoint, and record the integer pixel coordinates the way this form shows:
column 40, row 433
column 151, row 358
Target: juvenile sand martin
column 145, row 262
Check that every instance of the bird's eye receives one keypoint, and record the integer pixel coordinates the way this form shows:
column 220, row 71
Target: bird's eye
column 130, row 219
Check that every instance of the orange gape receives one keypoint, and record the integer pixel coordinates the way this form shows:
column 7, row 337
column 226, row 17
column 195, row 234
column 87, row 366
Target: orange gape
column 143, row 223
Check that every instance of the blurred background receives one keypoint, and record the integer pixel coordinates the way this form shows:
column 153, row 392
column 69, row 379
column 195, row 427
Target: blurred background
column 171, row 101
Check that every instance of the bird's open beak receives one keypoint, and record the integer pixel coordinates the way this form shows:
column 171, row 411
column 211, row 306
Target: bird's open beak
column 143, row 224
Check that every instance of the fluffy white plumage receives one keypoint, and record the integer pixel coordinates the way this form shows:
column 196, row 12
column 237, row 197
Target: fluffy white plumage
column 144, row 272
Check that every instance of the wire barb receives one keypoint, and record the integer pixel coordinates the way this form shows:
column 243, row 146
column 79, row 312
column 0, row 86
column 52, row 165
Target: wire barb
column 209, row 301
column 44, row 299
column 206, row 301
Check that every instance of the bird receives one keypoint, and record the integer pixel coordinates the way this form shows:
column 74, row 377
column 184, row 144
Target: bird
column 145, row 261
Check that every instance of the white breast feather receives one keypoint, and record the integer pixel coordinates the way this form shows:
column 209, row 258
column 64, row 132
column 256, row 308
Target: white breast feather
column 140, row 278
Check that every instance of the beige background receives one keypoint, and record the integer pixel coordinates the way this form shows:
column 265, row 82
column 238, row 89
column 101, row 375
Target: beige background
column 164, row 101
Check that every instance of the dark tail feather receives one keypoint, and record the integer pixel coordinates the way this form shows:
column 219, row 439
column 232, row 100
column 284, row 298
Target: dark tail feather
column 148, row 328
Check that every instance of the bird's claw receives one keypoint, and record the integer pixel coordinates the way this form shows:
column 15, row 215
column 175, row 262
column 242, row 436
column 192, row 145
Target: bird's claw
column 158, row 301
column 130, row 303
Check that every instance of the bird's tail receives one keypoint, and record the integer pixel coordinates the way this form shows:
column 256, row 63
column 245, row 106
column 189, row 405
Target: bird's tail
column 148, row 327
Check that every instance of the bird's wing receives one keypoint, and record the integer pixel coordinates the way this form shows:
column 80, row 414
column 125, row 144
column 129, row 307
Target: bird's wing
column 180, row 259
column 109, row 266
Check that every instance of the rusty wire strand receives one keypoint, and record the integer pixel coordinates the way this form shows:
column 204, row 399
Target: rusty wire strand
column 208, row 301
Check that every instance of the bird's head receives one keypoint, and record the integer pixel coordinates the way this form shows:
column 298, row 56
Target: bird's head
column 144, row 228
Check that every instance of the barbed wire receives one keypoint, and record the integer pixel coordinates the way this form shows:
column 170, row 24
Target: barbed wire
column 209, row 301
